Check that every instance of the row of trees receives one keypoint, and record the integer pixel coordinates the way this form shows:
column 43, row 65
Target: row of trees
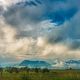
column 17, row 70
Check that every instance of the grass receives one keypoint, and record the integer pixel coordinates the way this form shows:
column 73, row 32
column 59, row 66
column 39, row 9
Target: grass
column 40, row 75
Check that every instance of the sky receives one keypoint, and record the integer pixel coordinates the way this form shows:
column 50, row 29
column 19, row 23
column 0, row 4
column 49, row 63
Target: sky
column 39, row 30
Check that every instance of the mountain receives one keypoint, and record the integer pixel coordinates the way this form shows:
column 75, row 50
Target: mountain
column 75, row 64
column 35, row 64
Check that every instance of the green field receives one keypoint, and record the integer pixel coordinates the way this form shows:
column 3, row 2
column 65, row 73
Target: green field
column 38, row 74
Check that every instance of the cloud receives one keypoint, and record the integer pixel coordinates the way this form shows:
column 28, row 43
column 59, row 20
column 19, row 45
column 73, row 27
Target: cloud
column 57, row 11
column 48, row 31
column 11, row 46
column 58, row 65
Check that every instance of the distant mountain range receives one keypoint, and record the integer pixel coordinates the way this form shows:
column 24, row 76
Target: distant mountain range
column 74, row 64
column 35, row 64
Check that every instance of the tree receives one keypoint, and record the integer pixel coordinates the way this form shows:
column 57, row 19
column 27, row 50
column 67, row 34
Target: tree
column 45, row 70
column 1, row 73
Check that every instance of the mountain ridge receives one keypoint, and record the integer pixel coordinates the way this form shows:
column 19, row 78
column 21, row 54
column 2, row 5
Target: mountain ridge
column 35, row 64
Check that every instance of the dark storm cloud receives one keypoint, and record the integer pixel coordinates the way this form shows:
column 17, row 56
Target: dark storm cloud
column 57, row 10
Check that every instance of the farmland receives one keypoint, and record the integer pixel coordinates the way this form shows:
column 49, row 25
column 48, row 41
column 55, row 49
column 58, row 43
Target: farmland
column 38, row 74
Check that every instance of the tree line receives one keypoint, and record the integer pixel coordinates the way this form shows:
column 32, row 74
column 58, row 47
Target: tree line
column 17, row 70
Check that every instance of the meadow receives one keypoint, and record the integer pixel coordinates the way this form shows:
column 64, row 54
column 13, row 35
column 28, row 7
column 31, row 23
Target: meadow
column 38, row 74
